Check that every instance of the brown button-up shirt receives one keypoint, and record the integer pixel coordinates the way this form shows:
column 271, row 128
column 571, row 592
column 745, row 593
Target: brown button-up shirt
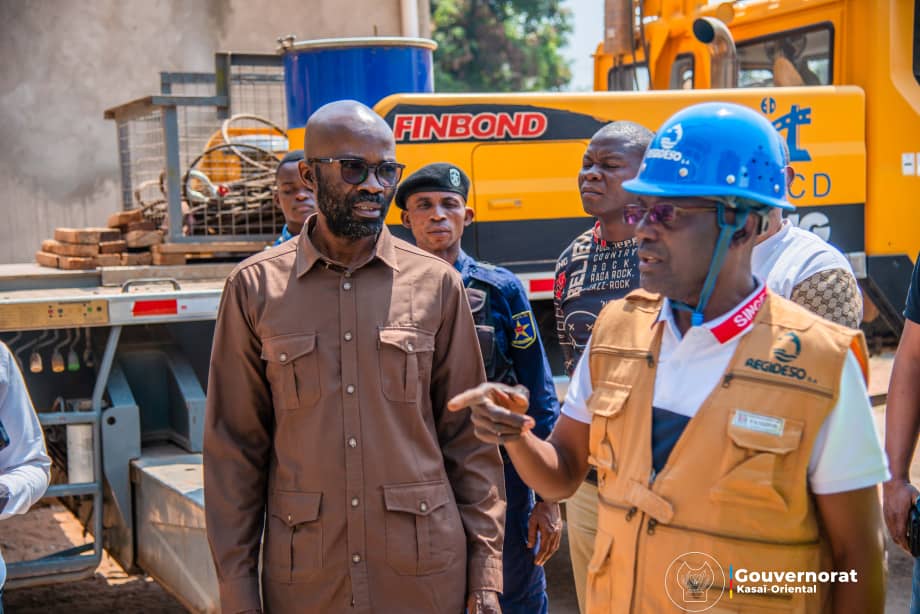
column 327, row 422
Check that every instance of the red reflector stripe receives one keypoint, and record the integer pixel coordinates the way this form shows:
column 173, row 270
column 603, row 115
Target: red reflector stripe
column 541, row 285
column 155, row 308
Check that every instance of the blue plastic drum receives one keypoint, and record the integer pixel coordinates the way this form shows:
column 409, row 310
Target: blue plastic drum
column 363, row 69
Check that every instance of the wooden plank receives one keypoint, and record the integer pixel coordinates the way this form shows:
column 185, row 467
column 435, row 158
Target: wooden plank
column 143, row 238
column 123, row 218
column 141, row 225
column 46, row 259
column 212, row 271
column 168, row 259
column 136, row 259
column 112, row 247
column 73, row 263
column 212, row 247
column 108, row 260
column 69, row 249
column 91, row 236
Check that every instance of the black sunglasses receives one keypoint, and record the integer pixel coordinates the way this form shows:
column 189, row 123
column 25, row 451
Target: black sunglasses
column 661, row 213
column 356, row 170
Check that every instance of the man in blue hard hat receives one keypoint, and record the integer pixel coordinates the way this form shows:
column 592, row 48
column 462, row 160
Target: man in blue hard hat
column 433, row 203
column 736, row 454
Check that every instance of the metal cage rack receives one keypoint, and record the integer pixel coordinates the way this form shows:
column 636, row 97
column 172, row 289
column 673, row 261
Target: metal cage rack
column 199, row 158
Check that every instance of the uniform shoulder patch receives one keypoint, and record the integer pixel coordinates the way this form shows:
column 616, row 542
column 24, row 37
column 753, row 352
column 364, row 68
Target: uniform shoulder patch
column 525, row 330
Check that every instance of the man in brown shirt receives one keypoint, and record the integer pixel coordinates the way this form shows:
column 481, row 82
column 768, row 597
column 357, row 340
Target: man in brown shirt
column 334, row 357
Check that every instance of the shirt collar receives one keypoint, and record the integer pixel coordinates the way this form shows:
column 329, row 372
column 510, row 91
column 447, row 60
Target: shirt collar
column 728, row 325
column 308, row 255
column 597, row 239
column 464, row 261
column 772, row 242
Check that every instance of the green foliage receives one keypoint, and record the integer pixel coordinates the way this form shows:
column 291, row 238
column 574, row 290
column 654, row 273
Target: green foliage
column 500, row 45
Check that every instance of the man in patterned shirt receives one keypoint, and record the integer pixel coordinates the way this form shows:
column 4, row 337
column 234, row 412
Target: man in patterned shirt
column 600, row 265
column 806, row 269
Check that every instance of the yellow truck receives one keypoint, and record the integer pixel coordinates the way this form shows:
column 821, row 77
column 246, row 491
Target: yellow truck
column 840, row 79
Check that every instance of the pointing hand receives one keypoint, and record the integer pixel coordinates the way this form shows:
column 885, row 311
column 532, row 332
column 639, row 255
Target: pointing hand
column 498, row 411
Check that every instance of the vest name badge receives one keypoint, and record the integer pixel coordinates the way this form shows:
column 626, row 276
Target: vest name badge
column 758, row 422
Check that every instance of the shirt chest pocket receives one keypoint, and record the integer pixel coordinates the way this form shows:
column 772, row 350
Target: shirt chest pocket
column 405, row 362
column 292, row 369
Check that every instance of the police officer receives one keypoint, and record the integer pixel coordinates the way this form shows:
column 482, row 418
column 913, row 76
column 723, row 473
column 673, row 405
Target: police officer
column 433, row 203
column 730, row 428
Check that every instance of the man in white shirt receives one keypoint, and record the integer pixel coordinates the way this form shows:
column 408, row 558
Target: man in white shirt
column 24, row 464
column 801, row 266
column 721, row 418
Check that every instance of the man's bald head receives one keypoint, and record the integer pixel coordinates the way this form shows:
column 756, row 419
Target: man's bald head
column 631, row 137
column 335, row 126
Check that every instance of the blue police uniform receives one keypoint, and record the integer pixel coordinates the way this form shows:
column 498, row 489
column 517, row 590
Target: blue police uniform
column 284, row 236
column 518, row 340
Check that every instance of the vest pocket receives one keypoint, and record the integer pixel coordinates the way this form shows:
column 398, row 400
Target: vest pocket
column 756, row 465
column 293, row 536
column 600, row 574
column 292, row 369
column 424, row 534
column 606, row 405
column 405, row 357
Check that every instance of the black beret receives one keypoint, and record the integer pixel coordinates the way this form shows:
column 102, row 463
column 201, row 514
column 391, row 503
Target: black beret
column 437, row 177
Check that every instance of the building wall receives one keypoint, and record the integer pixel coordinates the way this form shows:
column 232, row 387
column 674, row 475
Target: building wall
column 64, row 63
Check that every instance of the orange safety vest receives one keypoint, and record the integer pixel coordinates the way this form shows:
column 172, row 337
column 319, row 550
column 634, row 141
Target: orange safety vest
column 735, row 487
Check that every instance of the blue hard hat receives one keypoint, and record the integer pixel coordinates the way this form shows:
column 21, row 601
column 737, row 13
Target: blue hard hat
column 715, row 149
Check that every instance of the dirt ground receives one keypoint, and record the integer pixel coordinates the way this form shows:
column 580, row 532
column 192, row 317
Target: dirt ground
column 51, row 528
column 110, row 590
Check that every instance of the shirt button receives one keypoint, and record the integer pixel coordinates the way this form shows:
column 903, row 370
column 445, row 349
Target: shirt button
column 290, row 518
column 356, row 558
column 346, row 285
column 423, row 507
column 283, row 357
column 352, row 442
column 348, row 336
column 410, row 347
column 350, row 389
column 354, row 501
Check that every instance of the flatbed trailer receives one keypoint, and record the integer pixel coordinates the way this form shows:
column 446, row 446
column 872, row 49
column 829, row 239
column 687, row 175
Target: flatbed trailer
column 124, row 426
